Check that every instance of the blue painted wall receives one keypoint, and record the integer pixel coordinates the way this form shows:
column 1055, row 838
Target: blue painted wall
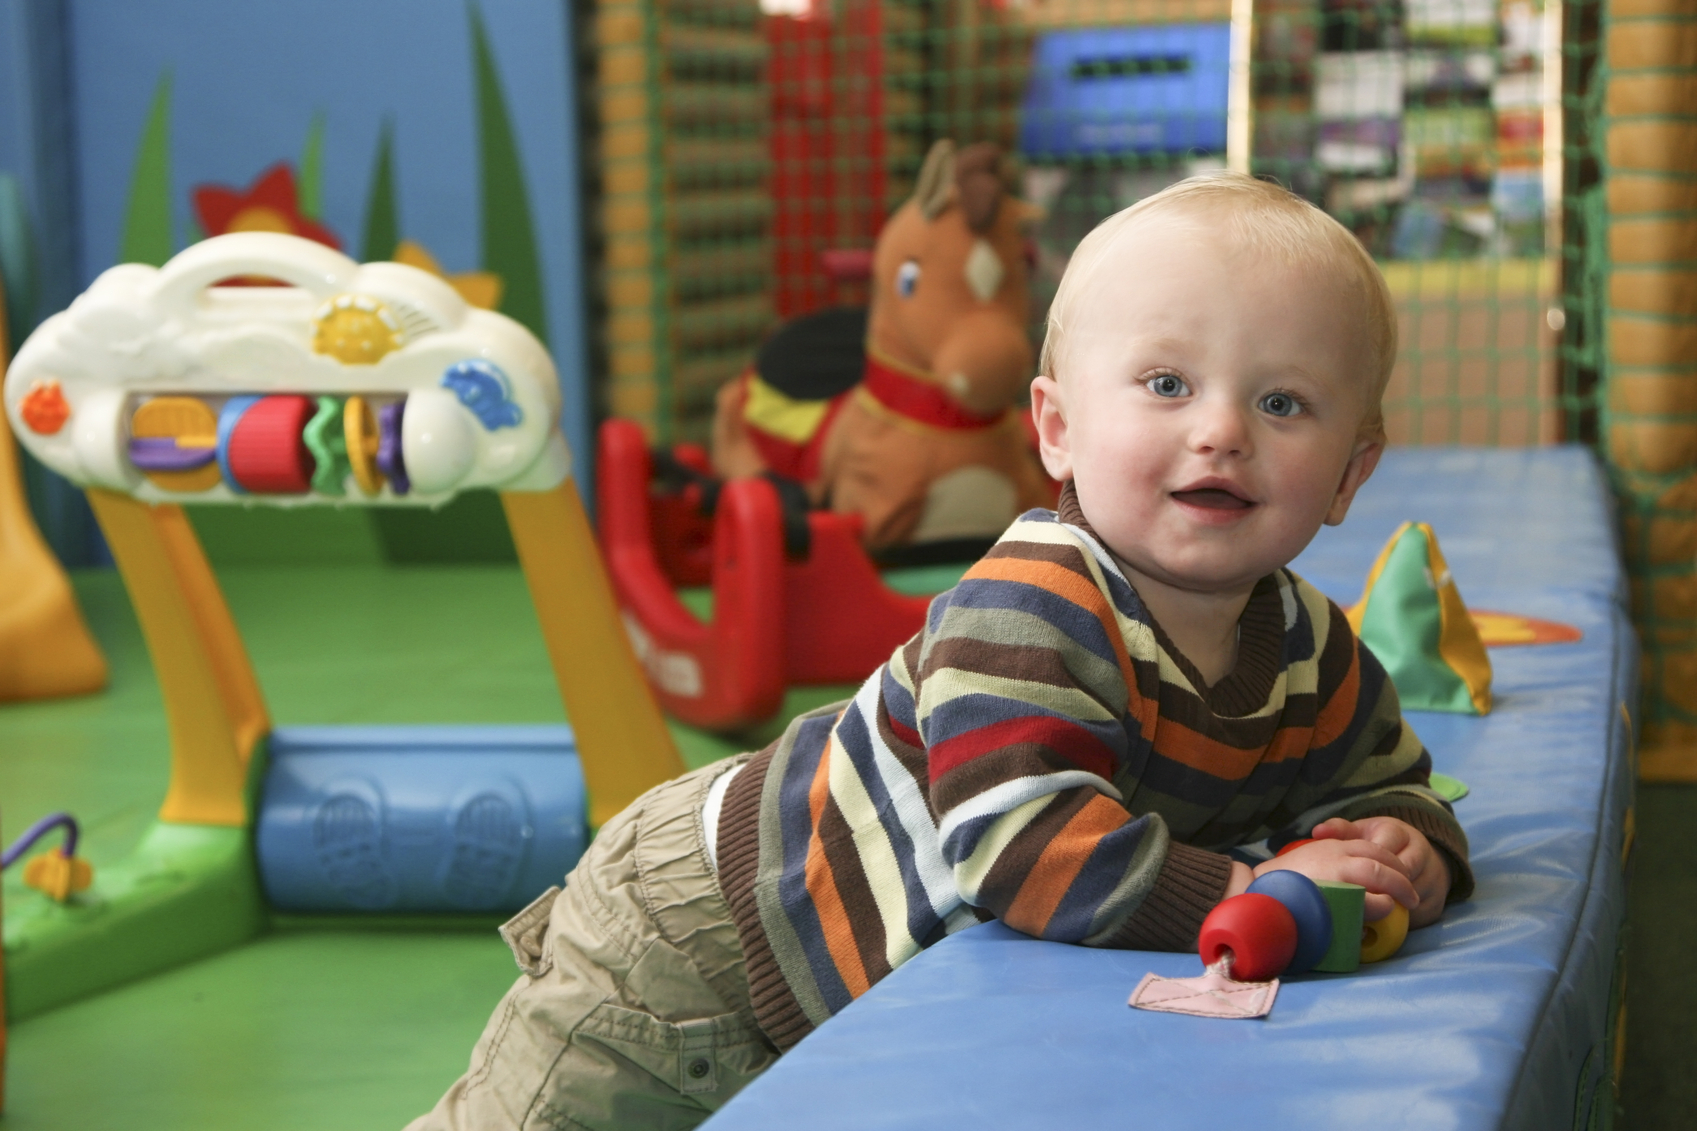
column 78, row 77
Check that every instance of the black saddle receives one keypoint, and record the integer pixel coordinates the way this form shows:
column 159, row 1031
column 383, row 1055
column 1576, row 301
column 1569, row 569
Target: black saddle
column 817, row 356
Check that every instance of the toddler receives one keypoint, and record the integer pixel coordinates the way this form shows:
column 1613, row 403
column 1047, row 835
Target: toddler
column 1117, row 697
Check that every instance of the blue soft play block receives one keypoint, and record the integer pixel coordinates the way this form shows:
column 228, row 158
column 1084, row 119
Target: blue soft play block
column 437, row 818
column 1127, row 90
column 1496, row 1019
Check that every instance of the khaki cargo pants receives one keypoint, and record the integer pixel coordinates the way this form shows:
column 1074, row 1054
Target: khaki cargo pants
column 633, row 1010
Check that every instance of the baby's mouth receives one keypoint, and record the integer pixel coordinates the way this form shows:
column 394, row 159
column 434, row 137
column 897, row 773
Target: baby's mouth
column 1213, row 498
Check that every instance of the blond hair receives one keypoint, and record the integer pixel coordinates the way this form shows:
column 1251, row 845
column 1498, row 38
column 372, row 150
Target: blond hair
column 1258, row 215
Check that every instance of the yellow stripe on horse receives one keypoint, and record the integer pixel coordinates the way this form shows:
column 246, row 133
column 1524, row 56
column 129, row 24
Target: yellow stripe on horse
column 783, row 416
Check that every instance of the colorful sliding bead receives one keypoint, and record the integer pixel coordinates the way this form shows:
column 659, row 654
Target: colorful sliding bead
column 228, row 417
column 1307, row 905
column 174, row 442
column 390, row 460
column 326, row 439
column 1258, row 930
column 267, row 453
column 1347, row 901
column 359, row 431
column 1384, row 937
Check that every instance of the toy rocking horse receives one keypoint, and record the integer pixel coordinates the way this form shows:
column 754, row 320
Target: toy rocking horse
column 905, row 414
column 891, row 430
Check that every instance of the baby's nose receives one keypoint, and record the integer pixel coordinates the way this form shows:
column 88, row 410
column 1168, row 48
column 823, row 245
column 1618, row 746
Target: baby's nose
column 1221, row 429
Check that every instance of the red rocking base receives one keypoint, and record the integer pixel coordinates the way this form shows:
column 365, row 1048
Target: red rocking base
column 826, row 619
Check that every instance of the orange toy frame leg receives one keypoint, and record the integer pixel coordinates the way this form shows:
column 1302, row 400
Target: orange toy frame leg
column 45, row 648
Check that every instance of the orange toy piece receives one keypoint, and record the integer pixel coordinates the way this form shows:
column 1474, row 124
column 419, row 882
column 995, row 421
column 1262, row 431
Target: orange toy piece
column 45, row 648
column 43, row 408
column 1500, row 630
column 192, row 424
column 926, row 445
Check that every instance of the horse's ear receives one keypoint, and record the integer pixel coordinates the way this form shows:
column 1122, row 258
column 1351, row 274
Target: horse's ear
column 980, row 183
column 936, row 178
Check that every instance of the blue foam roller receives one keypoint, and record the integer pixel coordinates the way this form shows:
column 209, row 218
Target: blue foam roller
column 1307, row 905
column 419, row 819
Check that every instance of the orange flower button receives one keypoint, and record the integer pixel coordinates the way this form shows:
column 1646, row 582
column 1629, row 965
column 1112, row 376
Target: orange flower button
column 43, row 409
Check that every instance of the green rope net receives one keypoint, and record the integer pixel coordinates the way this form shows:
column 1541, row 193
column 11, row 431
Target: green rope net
column 738, row 147
column 1640, row 286
column 749, row 150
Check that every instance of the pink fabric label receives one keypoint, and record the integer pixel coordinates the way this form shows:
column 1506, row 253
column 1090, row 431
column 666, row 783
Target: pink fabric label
column 1212, row 994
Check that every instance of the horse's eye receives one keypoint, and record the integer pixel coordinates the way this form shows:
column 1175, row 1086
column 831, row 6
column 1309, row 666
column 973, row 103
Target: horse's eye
column 907, row 278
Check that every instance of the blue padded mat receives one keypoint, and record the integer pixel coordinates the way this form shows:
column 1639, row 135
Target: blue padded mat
column 1495, row 1017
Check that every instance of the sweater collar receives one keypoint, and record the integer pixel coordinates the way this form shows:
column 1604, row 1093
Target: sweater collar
column 1260, row 643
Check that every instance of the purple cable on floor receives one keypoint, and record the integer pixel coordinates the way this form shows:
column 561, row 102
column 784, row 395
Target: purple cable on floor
column 38, row 830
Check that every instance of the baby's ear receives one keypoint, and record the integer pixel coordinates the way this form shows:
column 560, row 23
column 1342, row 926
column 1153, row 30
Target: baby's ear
column 1048, row 413
column 1368, row 448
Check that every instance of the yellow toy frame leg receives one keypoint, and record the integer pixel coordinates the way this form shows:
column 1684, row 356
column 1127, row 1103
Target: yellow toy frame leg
column 213, row 704
column 622, row 740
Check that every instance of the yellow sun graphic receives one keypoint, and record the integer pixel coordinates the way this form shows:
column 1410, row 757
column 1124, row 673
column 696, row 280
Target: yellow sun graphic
column 356, row 330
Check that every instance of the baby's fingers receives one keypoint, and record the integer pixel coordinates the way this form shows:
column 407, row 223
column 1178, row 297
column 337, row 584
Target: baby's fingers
column 1337, row 828
column 1378, row 853
column 1381, row 881
column 1377, row 907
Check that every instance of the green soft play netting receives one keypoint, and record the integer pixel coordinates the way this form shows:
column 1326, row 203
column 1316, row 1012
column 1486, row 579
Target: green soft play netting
column 316, row 1024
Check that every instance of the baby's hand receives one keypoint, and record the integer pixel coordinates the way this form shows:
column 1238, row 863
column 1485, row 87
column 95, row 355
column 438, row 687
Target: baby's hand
column 1424, row 865
column 1356, row 860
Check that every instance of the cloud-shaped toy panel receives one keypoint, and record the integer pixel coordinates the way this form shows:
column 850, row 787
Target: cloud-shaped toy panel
column 315, row 379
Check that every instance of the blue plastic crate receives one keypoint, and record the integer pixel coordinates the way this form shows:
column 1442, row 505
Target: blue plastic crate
column 1127, row 91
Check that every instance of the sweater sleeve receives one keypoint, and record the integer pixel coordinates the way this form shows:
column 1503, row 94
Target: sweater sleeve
column 1022, row 685
column 1378, row 765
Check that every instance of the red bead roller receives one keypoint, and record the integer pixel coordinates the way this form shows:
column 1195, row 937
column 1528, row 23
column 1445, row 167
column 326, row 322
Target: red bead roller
column 268, row 453
column 1259, row 931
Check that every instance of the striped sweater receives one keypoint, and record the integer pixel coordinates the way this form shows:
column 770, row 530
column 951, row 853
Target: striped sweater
column 1041, row 754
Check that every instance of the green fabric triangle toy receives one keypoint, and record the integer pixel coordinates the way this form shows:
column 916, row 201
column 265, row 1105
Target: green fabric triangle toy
column 1412, row 617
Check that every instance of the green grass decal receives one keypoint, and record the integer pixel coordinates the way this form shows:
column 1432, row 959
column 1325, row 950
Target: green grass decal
column 147, row 226
column 382, row 212
column 311, row 185
column 509, row 244
column 17, row 261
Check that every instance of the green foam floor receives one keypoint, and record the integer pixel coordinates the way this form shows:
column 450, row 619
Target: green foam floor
column 319, row 1030
column 313, row 1026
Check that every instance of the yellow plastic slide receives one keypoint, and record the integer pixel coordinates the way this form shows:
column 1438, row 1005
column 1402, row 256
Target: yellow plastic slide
column 45, row 648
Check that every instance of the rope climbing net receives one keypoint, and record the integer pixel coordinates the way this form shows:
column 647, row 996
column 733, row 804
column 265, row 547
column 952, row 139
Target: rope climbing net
column 1524, row 171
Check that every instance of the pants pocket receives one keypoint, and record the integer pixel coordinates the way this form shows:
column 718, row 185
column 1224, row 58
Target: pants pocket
column 708, row 1059
column 526, row 934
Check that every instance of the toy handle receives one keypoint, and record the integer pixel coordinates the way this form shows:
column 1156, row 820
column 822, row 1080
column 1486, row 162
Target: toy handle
column 314, row 268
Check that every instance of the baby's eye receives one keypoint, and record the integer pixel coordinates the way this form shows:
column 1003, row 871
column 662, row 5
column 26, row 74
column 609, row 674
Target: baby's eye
column 907, row 278
column 1280, row 404
column 1168, row 385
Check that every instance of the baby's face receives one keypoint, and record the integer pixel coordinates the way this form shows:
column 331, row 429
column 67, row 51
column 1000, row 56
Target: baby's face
column 1209, row 407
